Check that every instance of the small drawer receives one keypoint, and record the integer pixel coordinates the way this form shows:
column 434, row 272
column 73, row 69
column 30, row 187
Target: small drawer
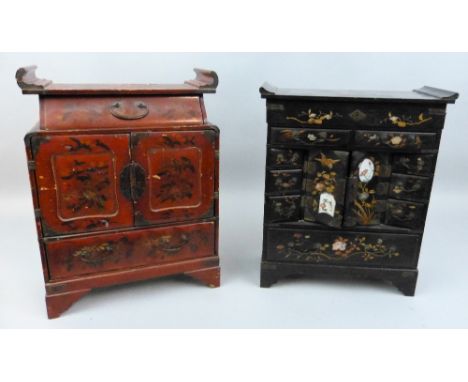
column 395, row 141
column 409, row 187
column 284, row 181
column 282, row 208
column 285, row 158
column 405, row 214
column 349, row 248
column 309, row 137
column 123, row 250
column 59, row 113
column 417, row 164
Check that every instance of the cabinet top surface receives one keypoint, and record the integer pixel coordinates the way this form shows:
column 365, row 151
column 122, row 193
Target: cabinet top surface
column 205, row 81
column 425, row 94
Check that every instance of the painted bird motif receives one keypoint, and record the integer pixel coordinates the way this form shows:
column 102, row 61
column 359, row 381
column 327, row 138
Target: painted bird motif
column 326, row 162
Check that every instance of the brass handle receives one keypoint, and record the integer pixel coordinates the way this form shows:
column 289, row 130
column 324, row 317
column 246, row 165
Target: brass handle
column 168, row 244
column 129, row 110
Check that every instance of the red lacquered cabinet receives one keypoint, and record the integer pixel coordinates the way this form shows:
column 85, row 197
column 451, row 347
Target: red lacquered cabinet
column 124, row 181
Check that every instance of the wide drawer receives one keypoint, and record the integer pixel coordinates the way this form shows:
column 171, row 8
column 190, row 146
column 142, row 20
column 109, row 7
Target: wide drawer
column 350, row 248
column 101, row 112
column 86, row 255
column 309, row 137
column 350, row 115
column 394, row 141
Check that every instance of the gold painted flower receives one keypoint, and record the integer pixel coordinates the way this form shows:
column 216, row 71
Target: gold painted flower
column 397, row 140
column 340, row 244
column 319, row 187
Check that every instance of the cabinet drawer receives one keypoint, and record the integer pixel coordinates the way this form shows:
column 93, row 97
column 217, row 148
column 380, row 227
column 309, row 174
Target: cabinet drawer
column 282, row 208
column 309, row 137
column 98, row 112
column 348, row 248
column 285, row 158
column 284, row 181
column 405, row 214
column 409, row 187
column 351, row 115
column 87, row 255
column 417, row 164
column 394, row 140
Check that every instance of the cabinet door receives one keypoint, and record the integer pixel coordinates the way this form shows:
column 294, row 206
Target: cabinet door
column 178, row 168
column 325, row 186
column 367, row 188
column 78, row 182
column 337, row 194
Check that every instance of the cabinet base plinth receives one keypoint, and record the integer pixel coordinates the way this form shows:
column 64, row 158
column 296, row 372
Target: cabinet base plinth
column 403, row 279
column 62, row 294
column 59, row 303
column 210, row 276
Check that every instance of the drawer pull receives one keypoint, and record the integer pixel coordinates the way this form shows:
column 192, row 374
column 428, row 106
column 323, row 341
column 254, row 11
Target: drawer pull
column 96, row 255
column 167, row 245
column 129, row 111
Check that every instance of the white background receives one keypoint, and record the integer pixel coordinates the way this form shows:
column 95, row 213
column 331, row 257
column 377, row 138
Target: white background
column 442, row 290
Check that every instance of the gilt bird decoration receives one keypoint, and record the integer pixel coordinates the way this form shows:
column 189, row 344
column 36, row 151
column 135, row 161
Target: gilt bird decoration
column 326, row 162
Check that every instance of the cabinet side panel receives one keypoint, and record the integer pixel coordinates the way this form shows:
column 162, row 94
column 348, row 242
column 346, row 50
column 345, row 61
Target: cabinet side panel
column 35, row 199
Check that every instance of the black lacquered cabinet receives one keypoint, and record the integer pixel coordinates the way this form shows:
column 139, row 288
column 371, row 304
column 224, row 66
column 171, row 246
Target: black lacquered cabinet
column 348, row 182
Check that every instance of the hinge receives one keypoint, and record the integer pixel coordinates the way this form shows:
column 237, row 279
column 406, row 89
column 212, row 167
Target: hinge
column 216, row 154
column 31, row 165
column 37, row 213
column 216, row 195
column 308, row 168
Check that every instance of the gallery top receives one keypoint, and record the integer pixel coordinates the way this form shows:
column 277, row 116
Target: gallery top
column 100, row 106
column 205, row 81
column 425, row 94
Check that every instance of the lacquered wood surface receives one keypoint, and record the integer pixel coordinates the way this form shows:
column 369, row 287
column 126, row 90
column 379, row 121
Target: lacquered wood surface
column 180, row 174
column 62, row 113
column 78, row 182
column 367, row 161
column 124, row 180
column 100, row 253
